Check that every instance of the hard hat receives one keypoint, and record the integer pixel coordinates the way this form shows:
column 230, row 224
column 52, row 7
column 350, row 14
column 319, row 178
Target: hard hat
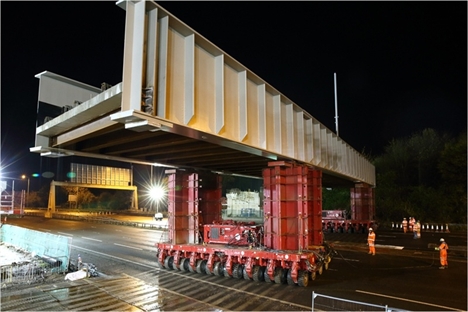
column 442, row 240
column 370, row 229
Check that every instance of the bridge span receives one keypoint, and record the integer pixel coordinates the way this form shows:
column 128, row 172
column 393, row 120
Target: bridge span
column 185, row 103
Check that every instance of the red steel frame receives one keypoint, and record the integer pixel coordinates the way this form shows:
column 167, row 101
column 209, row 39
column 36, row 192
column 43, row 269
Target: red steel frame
column 293, row 235
column 362, row 207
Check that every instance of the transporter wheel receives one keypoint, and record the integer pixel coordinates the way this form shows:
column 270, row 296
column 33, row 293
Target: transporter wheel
column 207, row 269
column 184, row 264
column 201, row 265
column 313, row 276
column 267, row 277
column 225, row 272
column 159, row 264
column 193, row 270
column 237, row 271
column 320, row 270
column 218, row 268
column 258, row 273
column 245, row 275
column 303, row 278
column 289, row 279
column 327, row 261
column 168, row 262
column 280, row 276
column 175, row 266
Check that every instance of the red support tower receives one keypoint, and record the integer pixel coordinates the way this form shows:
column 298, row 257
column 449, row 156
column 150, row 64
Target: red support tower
column 362, row 207
column 292, row 206
column 287, row 248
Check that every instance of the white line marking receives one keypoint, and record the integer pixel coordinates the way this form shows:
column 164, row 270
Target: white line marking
column 127, row 246
column 409, row 300
column 97, row 240
column 65, row 233
column 387, row 236
column 346, row 259
column 195, row 279
column 390, row 246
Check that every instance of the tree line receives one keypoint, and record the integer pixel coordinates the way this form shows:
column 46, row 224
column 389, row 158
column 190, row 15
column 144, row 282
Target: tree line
column 422, row 176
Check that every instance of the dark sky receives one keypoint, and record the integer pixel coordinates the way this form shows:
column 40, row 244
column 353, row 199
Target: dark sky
column 401, row 66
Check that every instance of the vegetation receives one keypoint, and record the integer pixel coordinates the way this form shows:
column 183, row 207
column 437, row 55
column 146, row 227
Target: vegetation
column 423, row 176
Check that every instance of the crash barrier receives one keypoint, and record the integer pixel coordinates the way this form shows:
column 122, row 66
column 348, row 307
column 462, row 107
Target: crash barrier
column 45, row 245
column 327, row 303
column 425, row 227
column 31, row 271
column 103, row 220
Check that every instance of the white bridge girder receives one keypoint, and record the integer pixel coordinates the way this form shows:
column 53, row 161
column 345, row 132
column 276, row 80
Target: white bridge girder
column 201, row 92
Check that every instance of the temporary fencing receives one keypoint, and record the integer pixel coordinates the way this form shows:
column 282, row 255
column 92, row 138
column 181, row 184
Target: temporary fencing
column 32, row 271
column 328, row 303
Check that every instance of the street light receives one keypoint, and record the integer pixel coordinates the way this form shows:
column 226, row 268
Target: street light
column 27, row 196
column 157, row 194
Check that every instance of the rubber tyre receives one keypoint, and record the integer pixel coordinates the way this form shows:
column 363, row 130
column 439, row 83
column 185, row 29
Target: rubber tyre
column 320, row 270
column 226, row 274
column 168, row 262
column 184, row 264
column 177, row 267
column 193, row 270
column 236, row 271
column 267, row 277
column 279, row 276
column 245, row 275
column 302, row 278
column 218, row 269
column 313, row 276
column 258, row 274
column 207, row 270
column 289, row 279
column 201, row 265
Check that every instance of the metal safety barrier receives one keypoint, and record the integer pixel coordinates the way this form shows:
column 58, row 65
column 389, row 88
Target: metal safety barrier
column 328, row 303
column 33, row 271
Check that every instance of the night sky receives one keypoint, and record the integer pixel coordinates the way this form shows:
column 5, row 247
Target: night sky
column 401, row 66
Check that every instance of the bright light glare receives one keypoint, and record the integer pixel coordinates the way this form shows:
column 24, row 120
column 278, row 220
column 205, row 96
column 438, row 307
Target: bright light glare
column 157, row 193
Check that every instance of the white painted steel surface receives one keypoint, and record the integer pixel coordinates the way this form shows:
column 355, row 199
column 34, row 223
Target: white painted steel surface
column 202, row 92
column 202, row 87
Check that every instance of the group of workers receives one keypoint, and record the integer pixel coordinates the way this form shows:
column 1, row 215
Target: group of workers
column 443, row 247
column 413, row 225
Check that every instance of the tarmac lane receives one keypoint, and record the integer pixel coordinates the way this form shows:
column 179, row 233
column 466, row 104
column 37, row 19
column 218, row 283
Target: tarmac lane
column 406, row 278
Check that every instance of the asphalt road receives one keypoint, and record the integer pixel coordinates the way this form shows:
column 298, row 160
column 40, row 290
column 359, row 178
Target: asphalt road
column 407, row 278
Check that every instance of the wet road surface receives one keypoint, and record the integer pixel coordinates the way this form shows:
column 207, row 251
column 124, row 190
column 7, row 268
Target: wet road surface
column 388, row 278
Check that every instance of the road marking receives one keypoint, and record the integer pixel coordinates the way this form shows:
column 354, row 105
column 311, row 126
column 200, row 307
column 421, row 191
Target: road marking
column 127, row 246
column 393, row 236
column 45, row 230
column 97, row 240
column 390, row 246
column 346, row 259
column 65, row 233
column 409, row 300
column 193, row 278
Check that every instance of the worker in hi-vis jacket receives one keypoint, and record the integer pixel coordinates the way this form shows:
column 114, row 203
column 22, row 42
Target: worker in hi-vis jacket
column 371, row 241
